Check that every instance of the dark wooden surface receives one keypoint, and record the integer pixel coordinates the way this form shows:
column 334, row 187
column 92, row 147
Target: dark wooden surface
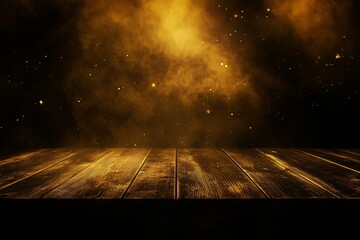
column 276, row 180
column 179, row 193
column 108, row 177
column 337, row 179
column 157, row 177
column 209, row 173
column 216, row 173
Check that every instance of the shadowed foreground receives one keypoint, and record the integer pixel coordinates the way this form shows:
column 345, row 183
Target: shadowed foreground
column 207, row 191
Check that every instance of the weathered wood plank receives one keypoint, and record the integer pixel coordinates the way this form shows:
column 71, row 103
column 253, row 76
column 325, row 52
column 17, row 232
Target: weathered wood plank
column 276, row 180
column 108, row 177
column 336, row 157
column 26, row 166
column 10, row 158
column 337, row 180
column 156, row 179
column 209, row 173
column 43, row 182
column 6, row 153
column 351, row 152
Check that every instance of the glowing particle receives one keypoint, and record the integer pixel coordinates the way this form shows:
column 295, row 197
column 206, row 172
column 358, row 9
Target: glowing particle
column 235, row 15
column 226, row 66
column 90, row 74
column 337, row 56
column 268, row 9
column 222, row 64
column 118, row 88
column 153, row 85
column 208, row 111
column 41, row 102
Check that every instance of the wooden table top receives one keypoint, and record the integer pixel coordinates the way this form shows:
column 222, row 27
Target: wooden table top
column 179, row 193
column 214, row 173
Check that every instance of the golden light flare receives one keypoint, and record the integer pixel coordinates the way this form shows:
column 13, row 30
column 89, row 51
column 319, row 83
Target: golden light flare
column 41, row 102
column 338, row 56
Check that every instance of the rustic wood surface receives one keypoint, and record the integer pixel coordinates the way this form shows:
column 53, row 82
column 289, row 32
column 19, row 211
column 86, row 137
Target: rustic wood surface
column 346, row 160
column 209, row 173
column 337, row 179
column 139, row 173
column 21, row 167
column 156, row 178
column 43, row 182
column 108, row 177
column 275, row 180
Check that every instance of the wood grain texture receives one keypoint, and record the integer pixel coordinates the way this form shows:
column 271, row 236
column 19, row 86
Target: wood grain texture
column 188, row 174
column 353, row 150
column 107, row 178
column 26, row 166
column 6, row 153
column 156, row 179
column 209, row 173
column 43, row 182
column 351, row 153
column 341, row 182
column 276, row 181
column 335, row 157
column 12, row 158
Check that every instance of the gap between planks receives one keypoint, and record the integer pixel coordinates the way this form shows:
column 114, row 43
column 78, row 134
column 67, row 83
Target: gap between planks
column 135, row 175
column 52, row 189
column 292, row 169
column 329, row 161
column 247, row 175
column 34, row 173
column 176, row 175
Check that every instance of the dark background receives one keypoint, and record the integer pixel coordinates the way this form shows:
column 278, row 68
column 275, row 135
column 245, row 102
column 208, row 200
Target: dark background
column 311, row 105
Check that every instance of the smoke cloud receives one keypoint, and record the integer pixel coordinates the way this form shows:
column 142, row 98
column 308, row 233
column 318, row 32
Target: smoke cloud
column 157, row 68
column 318, row 24
column 173, row 72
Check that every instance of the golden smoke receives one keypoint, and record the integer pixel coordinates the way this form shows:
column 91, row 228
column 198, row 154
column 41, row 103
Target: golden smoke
column 316, row 23
column 146, row 61
column 169, row 42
